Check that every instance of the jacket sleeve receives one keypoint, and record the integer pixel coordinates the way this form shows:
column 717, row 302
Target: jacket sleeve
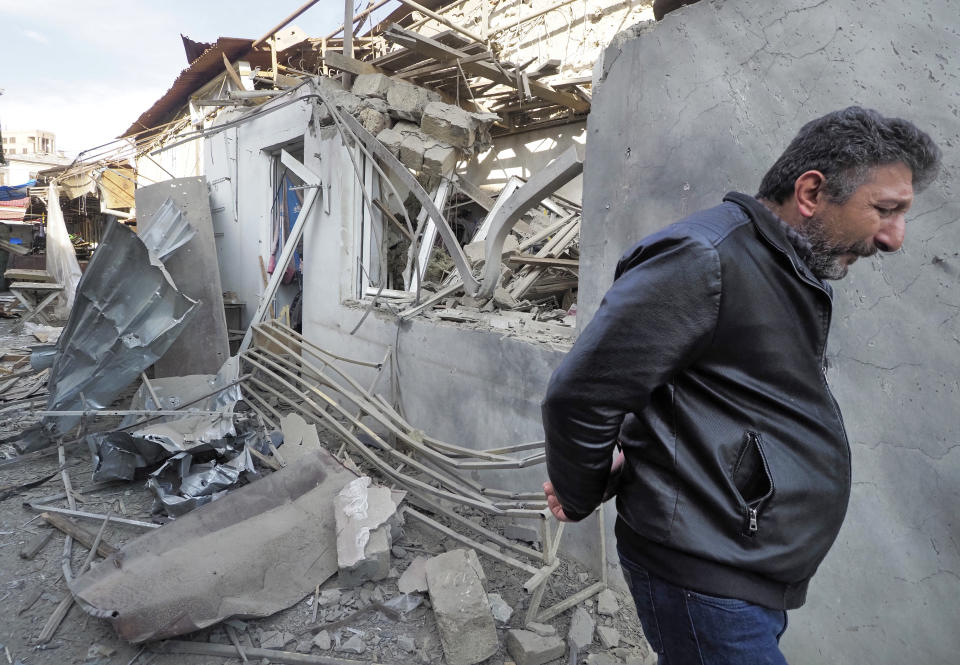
column 656, row 318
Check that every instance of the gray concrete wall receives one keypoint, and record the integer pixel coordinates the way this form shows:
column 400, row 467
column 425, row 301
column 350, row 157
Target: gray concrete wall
column 703, row 103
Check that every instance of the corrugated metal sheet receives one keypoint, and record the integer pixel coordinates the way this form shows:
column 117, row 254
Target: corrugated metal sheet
column 194, row 77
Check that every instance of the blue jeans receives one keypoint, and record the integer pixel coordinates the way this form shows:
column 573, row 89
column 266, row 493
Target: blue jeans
column 689, row 628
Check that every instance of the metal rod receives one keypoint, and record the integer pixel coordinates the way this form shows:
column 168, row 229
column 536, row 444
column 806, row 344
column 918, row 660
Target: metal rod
column 444, row 20
column 284, row 23
column 92, row 516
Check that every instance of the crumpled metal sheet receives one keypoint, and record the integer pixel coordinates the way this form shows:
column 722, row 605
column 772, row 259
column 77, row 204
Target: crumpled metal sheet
column 167, row 231
column 256, row 551
column 42, row 356
column 126, row 314
column 198, row 484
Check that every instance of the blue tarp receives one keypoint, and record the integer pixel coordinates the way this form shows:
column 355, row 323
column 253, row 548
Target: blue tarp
column 17, row 191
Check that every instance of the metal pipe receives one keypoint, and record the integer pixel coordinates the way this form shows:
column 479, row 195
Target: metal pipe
column 362, row 15
column 284, row 23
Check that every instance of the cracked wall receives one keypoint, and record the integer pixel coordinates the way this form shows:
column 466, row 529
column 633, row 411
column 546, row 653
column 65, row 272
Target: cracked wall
column 702, row 103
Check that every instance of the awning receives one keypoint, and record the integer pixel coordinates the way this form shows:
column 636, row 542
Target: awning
column 8, row 193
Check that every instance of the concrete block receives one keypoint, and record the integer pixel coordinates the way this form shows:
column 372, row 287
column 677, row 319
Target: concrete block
column 607, row 603
column 392, row 139
column 371, row 85
column 408, row 98
column 373, row 121
column 455, row 126
column 474, row 562
column 348, row 102
column 363, row 534
column 405, row 643
column 353, row 645
column 376, row 104
column 465, row 622
column 609, row 636
column 528, row 648
column 439, row 160
column 581, row 629
column 412, row 148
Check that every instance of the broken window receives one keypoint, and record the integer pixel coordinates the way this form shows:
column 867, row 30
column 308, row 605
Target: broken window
column 288, row 191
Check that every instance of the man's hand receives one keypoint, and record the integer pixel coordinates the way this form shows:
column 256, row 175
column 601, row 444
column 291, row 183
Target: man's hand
column 553, row 503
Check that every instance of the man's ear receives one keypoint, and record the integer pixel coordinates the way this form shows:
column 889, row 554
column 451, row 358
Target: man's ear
column 808, row 193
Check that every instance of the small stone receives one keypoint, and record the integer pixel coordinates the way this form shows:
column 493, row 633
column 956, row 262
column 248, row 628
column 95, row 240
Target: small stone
column 99, row 651
column 373, row 121
column 609, row 636
column 607, row 603
column 542, row 629
column 271, row 639
column 583, row 577
column 353, row 645
column 528, row 648
column 398, row 552
column 581, row 629
column 322, row 640
column 329, row 597
column 407, row 644
column 501, row 610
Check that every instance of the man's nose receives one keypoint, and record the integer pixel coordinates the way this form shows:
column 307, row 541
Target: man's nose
column 890, row 237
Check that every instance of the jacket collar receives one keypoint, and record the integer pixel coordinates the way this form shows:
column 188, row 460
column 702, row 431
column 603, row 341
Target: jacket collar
column 771, row 228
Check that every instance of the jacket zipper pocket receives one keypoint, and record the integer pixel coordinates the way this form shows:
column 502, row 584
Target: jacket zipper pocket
column 759, row 480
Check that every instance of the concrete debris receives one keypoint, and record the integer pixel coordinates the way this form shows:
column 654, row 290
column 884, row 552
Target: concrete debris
column 373, row 121
column 500, row 609
column 607, row 603
column 581, row 629
column 464, row 620
column 408, row 98
column 353, row 645
column 457, row 127
column 329, row 597
column 322, row 640
column 405, row 643
column 528, row 648
column 414, row 578
column 372, row 85
column 363, row 535
column 439, row 160
column 609, row 636
column 541, row 629
column 602, row 659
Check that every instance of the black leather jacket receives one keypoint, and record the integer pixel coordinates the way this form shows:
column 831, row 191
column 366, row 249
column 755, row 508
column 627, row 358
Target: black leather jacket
column 706, row 360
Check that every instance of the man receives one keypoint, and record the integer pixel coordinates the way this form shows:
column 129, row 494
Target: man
column 706, row 364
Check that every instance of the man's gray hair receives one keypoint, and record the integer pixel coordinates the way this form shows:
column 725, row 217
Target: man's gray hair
column 844, row 146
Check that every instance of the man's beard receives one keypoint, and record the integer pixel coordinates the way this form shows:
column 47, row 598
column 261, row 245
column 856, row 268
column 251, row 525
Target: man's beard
column 826, row 260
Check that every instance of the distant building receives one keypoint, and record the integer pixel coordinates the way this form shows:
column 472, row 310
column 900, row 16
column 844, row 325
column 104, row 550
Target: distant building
column 28, row 152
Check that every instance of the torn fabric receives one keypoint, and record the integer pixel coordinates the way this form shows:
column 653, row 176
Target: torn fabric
column 61, row 257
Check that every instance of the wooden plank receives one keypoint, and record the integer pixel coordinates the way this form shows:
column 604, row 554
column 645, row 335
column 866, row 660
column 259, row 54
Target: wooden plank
column 232, row 73
column 78, row 533
column 35, row 286
column 443, row 66
column 27, row 275
column 350, row 65
column 434, row 49
column 483, row 199
column 31, row 548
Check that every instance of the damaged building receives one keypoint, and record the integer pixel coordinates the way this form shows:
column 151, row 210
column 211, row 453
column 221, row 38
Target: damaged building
column 349, row 267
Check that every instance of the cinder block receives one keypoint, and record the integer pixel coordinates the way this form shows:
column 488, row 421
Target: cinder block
column 372, row 85
column 465, row 622
column 528, row 648
column 408, row 98
column 439, row 160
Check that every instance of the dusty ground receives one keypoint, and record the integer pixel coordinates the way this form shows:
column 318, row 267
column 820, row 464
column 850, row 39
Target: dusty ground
column 30, row 590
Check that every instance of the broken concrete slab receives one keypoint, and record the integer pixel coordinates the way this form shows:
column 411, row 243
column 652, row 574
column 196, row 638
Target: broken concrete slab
column 455, row 126
column 528, row 648
column 414, row 578
column 465, row 622
column 609, row 636
column 581, row 630
column 363, row 535
column 607, row 603
column 256, row 551
column 408, row 98
column 372, row 85
column 299, row 438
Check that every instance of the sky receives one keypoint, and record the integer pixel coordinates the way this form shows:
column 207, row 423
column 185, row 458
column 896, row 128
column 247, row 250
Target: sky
column 87, row 69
